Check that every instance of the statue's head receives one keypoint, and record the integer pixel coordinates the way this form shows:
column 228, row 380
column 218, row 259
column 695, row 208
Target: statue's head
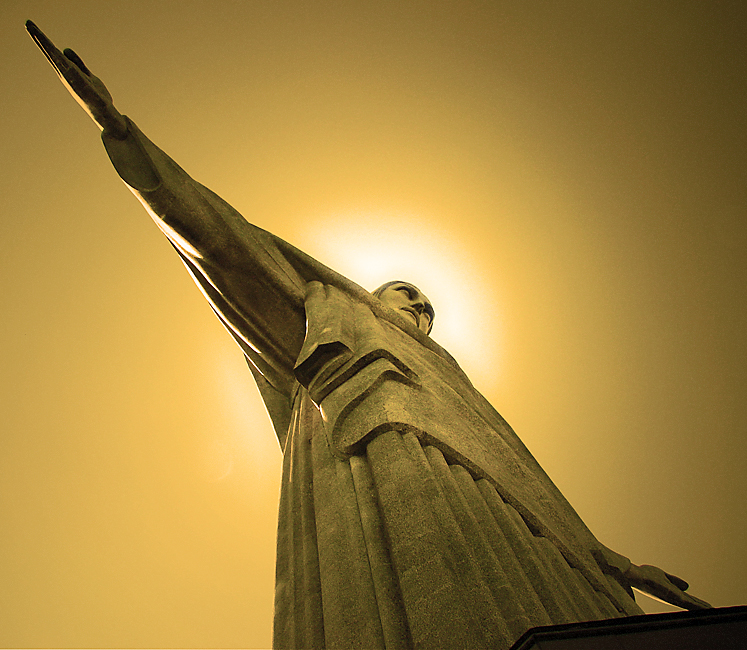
column 406, row 297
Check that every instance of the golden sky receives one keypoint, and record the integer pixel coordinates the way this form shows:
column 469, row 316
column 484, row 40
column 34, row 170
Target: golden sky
column 566, row 181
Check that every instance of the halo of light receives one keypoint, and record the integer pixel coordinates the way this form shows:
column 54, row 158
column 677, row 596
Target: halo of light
column 372, row 248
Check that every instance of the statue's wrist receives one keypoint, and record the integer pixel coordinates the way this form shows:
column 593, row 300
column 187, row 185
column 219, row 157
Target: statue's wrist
column 630, row 572
column 116, row 126
column 614, row 562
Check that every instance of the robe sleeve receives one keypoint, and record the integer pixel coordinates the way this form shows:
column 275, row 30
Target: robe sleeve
column 253, row 280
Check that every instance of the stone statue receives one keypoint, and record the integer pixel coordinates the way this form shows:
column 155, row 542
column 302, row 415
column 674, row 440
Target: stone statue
column 411, row 515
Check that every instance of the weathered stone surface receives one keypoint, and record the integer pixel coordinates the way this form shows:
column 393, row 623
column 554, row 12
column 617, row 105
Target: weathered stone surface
column 411, row 515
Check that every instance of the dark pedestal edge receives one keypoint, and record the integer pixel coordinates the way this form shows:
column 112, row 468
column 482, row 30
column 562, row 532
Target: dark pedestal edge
column 649, row 625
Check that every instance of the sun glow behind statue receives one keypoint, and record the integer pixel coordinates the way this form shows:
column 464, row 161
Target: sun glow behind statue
column 372, row 248
column 245, row 438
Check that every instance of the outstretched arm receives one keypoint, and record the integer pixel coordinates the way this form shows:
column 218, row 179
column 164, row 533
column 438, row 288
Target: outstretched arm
column 253, row 280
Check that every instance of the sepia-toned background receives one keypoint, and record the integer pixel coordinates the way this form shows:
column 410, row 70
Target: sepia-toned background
column 567, row 181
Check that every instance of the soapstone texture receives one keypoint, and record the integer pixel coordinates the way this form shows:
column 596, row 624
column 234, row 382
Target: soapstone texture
column 411, row 514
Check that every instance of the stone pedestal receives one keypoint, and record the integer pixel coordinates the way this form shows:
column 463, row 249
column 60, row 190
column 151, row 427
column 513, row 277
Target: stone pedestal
column 723, row 628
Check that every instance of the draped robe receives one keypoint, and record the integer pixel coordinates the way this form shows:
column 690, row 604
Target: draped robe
column 411, row 515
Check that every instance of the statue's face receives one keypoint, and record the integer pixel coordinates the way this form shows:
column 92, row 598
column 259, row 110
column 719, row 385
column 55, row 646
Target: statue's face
column 407, row 298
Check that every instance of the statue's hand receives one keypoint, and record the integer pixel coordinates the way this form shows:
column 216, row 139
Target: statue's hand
column 671, row 589
column 88, row 90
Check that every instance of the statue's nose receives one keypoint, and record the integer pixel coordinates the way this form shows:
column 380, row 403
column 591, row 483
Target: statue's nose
column 418, row 307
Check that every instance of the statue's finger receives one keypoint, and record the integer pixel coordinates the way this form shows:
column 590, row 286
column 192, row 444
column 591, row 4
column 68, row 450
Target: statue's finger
column 697, row 603
column 70, row 54
column 54, row 56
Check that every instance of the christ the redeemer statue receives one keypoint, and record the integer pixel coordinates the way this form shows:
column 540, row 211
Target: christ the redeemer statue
column 411, row 515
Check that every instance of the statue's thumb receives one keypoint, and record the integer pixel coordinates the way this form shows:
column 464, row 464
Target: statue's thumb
column 70, row 54
column 677, row 582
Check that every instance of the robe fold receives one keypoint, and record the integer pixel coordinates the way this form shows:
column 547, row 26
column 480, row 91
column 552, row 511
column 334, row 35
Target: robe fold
column 411, row 515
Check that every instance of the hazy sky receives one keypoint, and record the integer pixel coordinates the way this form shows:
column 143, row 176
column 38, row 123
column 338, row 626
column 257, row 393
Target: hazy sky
column 566, row 180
